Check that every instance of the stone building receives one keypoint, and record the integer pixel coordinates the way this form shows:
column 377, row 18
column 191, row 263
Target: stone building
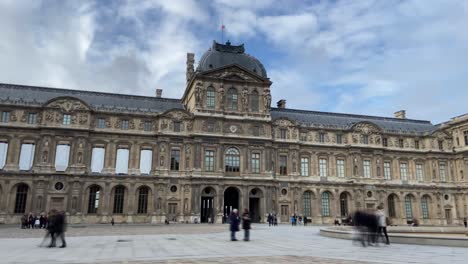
column 221, row 146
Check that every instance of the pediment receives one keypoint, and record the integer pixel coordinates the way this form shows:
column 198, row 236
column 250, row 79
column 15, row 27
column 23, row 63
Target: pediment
column 234, row 72
column 67, row 104
column 366, row 128
column 283, row 122
column 177, row 114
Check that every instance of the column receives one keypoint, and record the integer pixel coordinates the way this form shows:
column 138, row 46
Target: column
column 12, row 161
column 109, row 159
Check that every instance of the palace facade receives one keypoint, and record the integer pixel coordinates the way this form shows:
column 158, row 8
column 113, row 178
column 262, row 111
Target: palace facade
column 145, row 159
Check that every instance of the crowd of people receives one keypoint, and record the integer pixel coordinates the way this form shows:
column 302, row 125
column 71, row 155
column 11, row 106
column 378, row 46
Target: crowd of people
column 272, row 220
column 54, row 223
column 34, row 221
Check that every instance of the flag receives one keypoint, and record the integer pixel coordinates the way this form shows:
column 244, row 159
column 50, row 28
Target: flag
column 222, row 27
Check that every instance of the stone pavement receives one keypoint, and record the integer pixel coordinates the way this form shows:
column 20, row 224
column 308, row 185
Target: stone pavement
column 203, row 244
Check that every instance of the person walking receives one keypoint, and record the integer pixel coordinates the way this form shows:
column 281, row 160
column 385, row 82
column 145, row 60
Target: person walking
column 270, row 220
column 50, row 229
column 234, row 222
column 60, row 228
column 305, row 220
column 465, row 222
column 246, row 224
column 382, row 223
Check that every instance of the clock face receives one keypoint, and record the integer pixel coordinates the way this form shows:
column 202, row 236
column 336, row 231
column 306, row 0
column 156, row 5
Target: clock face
column 233, row 128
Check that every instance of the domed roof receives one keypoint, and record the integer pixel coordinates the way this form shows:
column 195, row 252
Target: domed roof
column 220, row 55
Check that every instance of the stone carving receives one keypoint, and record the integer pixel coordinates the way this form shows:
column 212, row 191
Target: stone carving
column 68, row 105
column 131, row 124
column 189, row 125
column 366, row 128
column 24, row 117
column 245, row 99
column 221, row 97
column 83, row 119
column 355, row 138
column 49, row 116
column 13, row 116
column 164, row 124
column 74, row 120
column 188, row 154
column 118, row 123
column 266, row 100
column 198, row 94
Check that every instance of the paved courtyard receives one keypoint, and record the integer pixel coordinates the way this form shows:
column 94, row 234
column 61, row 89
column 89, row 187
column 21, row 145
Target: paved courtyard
column 208, row 244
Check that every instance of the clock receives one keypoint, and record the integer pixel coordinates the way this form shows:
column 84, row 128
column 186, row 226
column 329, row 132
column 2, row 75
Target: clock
column 233, row 128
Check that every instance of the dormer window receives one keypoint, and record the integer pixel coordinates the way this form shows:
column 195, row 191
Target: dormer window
column 177, row 126
column 365, row 139
column 400, row 143
column 124, row 125
column 321, row 137
column 441, row 145
column 66, row 119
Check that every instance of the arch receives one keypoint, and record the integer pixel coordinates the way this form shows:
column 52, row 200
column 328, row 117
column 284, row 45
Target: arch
column 232, row 99
column 143, row 197
column 307, row 203
column 326, row 196
column 207, row 212
column 210, row 97
column 255, row 204
column 231, row 200
column 119, row 199
column 208, row 191
column 22, row 190
column 344, row 204
column 392, row 199
column 256, row 192
column 232, row 160
column 254, row 101
column 94, row 198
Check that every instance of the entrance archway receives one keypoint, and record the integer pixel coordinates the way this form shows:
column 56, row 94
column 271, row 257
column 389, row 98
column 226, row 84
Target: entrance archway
column 231, row 200
column 255, row 196
column 207, row 205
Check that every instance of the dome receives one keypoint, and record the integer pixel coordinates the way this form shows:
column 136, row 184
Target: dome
column 220, row 55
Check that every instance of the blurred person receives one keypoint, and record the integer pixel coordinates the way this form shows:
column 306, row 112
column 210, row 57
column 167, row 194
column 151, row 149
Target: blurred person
column 60, row 227
column 234, row 222
column 30, row 221
column 270, row 219
column 37, row 223
column 24, row 222
column 275, row 220
column 382, row 222
column 42, row 221
column 50, row 229
column 305, row 220
column 465, row 222
column 246, row 224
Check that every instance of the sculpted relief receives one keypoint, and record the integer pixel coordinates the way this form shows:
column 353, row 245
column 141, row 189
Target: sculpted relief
column 68, row 105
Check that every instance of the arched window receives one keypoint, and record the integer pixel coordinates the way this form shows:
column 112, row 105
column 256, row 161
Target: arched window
column 344, row 204
column 391, row 206
column 408, row 207
column 232, row 99
column 143, row 200
column 119, row 194
column 94, row 197
column 425, row 207
column 210, row 97
column 254, row 101
column 306, row 208
column 325, row 204
column 21, row 198
column 232, row 160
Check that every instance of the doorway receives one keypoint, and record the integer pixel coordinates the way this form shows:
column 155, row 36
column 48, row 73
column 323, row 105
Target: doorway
column 284, row 213
column 172, row 214
column 448, row 216
column 254, row 209
column 231, row 201
column 207, row 205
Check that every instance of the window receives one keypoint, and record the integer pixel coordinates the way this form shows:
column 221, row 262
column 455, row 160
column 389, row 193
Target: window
column 344, row 204
column 304, row 166
column 340, row 168
column 283, row 163
column 119, row 195
column 26, row 157
column 255, row 162
column 419, row 172
column 146, row 161
column 254, row 101
column 147, row 126
column 94, row 197
column 391, row 206
column 121, row 164
column 303, row 136
column 404, row 171
column 209, row 160
column 5, row 117
column 387, row 171
column 441, row 145
column 416, row 144
column 62, row 155
column 306, row 201
column 365, row 139
column 465, row 135
column 232, row 160
column 32, row 118
column 175, row 159
column 424, row 207
column 385, row 142
column 408, row 207
column 143, row 200
column 66, row 119
column 177, row 126
column 210, row 97
column 210, row 126
column 443, row 177
column 101, row 123
column 232, row 99
column 283, row 133
column 400, row 143
column 97, row 159
column 21, row 198
column 325, row 204
column 339, row 139
column 367, row 168
column 124, row 125
column 323, row 167
column 321, row 137
column 3, row 153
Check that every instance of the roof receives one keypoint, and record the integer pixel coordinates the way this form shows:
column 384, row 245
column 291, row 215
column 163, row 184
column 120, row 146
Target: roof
column 37, row 96
column 220, row 55
column 346, row 121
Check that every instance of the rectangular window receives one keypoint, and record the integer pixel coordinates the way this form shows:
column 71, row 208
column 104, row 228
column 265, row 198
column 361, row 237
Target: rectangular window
column 404, row 171
column 283, row 133
column 441, row 145
column 416, row 144
column 97, row 159
column 323, row 168
column 283, row 163
column 366, row 168
column 400, row 143
column 5, row 117
column 443, row 176
column 146, row 161
column 303, row 136
column 321, row 137
column 255, row 163
column 419, row 172
column 209, row 160
column 32, row 118
column 62, row 155
column 387, row 171
column 177, row 126
column 465, row 136
column 304, row 166
column 3, row 153
column 26, row 157
column 339, row 139
column 124, row 125
column 147, row 126
column 101, row 123
column 385, row 142
column 340, row 168
column 66, row 119
column 175, row 159
column 210, row 98
column 121, row 164
column 365, row 139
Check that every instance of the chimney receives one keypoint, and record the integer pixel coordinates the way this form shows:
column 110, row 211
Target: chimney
column 190, row 69
column 400, row 114
column 281, row 103
column 158, row 93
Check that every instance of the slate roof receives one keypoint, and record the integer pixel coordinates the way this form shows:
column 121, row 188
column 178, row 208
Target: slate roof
column 346, row 121
column 37, row 96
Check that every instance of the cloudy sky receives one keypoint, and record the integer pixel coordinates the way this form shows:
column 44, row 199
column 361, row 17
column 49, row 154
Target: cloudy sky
column 363, row 57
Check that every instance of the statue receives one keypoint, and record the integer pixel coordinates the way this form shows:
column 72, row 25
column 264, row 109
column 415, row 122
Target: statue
column 267, row 102
column 245, row 99
column 198, row 96
column 221, row 97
